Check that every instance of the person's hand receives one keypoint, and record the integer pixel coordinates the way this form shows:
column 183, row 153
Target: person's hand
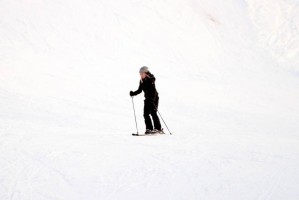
column 131, row 93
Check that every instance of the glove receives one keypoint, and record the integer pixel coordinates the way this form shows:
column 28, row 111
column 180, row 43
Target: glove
column 131, row 93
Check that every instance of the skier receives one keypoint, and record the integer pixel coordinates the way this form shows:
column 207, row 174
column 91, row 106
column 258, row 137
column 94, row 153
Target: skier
column 151, row 102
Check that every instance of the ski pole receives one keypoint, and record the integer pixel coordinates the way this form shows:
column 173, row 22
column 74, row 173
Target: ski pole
column 162, row 119
column 135, row 115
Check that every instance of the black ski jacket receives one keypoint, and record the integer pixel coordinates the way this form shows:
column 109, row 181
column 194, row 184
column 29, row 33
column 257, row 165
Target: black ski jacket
column 148, row 86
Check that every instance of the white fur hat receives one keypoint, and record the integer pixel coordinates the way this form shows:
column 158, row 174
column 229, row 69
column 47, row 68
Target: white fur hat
column 144, row 69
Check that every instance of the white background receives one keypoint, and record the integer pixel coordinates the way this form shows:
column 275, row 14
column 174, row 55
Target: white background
column 228, row 79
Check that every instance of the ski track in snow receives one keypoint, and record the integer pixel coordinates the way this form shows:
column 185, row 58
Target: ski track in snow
column 191, row 164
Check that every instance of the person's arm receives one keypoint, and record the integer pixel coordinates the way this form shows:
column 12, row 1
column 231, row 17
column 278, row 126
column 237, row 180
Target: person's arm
column 137, row 91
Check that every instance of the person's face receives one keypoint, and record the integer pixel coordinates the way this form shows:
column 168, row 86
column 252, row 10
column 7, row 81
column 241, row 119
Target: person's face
column 142, row 75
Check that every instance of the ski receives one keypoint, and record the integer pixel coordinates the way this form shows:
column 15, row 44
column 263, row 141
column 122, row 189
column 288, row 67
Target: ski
column 149, row 134
column 152, row 134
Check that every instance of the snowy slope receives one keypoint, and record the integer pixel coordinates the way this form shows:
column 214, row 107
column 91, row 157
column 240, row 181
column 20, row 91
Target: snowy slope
column 227, row 74
column 277, row 26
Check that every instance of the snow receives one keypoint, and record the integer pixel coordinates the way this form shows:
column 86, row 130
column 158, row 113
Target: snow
column 277, row 27
column 227, row 74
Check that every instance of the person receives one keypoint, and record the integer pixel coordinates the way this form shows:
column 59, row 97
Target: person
column 151, row 102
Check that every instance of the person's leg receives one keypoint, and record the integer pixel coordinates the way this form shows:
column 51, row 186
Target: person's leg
column 146, row 115
column 155, row 117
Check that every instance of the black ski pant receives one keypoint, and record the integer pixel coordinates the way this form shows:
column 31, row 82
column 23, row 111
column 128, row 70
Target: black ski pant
column 150, row 108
